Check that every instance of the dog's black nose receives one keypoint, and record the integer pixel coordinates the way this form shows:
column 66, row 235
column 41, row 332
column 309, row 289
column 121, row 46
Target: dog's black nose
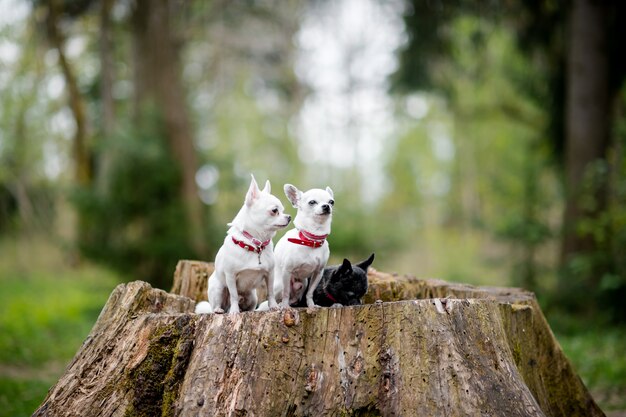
column 288, row 218
column 326, row 208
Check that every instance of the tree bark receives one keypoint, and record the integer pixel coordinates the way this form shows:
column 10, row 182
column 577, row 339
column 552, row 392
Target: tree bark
column 588, row 118
column 158, row 82
column 479, row 351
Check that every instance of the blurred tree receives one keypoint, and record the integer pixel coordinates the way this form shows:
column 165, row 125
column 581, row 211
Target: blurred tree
column 586, row 39
column 99, row 161
column 492, row 148
column 612, row 238
column 241, row 92
column 107, row 78
column 158, row 85
column 587, row 128
column 53, row 11
column 136, row 226
column 580, row 113
column 19, row 153
column 246, row 97
column 26, row 192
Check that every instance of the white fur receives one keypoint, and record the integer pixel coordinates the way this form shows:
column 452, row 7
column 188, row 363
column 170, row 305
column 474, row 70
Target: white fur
column 238, row 272
column 296, row 264
column 203, row 307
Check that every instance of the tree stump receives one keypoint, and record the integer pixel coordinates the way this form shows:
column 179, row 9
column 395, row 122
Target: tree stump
column 425, row 348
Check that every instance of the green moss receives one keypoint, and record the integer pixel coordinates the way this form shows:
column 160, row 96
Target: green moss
column 155, row 382
column 517, row 354
column 367, row 411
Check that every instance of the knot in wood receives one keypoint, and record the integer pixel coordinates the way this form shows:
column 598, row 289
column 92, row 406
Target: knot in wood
column 291, row 318
column 312, row 379
column 386, row 382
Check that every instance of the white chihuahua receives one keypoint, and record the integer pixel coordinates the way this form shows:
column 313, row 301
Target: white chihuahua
column 302, row 253
column 246, row 257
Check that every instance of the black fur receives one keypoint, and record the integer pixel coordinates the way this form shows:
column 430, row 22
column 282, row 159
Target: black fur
column 343, row 284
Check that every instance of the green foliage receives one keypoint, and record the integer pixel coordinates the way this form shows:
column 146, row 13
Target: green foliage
column 600, row 270
column 28, row 134
column 497, row 184
column 502, row 71
column 138, row 223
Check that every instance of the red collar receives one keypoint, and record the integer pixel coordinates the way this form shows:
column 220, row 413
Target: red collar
column 258, row 245
column 330, row 297
column 308, row 239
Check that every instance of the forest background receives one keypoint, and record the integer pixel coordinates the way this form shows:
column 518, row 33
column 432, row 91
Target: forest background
column 477, row 142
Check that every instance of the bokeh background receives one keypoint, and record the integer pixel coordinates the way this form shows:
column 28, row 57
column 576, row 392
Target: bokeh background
column 482, row 142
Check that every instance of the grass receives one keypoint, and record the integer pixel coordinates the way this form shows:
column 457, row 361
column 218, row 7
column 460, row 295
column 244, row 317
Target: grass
column 20, row 397
column 47, row 309
column 598, row 355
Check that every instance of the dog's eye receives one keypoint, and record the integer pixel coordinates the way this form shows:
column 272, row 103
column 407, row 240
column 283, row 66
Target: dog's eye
column 312, row 203
column 331, row 202
column 275, row 211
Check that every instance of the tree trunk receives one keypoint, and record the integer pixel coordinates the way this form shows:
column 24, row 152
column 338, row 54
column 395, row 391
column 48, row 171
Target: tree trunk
column 158, row 82
column 588, row 119
column 80, row 152
column 479, row 351
column 106, row 94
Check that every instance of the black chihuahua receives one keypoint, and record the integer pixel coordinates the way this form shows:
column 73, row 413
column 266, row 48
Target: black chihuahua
column 343, row 284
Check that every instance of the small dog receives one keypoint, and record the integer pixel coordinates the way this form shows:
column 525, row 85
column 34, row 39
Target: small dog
column 246, row 257
column 301, row 254
column 342, row 285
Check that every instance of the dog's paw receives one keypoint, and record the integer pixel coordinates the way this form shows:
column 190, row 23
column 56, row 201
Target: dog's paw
column 336, row 305
column 233, row 310
column 275, row 307
column 203, row 307
column 312, row 309
column 219, row 310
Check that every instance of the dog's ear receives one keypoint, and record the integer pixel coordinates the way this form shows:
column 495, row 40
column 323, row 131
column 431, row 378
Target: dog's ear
column 293, row 194
column 253, row 192
column 345, row 268
column 267, row 188
column 366, row 263
column 330, row 191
